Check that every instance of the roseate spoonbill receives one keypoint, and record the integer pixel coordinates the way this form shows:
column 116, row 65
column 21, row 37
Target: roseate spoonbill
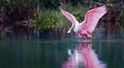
column 89, row 23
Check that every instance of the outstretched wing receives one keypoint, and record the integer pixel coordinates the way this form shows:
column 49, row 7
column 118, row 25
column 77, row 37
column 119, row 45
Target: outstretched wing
column 92, row 17
column 69, row 16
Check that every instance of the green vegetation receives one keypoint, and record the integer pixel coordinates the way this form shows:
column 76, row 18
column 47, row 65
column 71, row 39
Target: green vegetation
column 53, row 19
column 44, row 15
column 49, row 20
column 121, row 18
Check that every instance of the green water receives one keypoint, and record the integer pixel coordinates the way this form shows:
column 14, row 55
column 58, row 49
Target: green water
column 35, row 53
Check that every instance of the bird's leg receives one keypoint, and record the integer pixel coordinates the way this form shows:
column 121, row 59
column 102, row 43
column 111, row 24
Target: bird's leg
column 86, row 35
column 83, row 34
column 89, row 36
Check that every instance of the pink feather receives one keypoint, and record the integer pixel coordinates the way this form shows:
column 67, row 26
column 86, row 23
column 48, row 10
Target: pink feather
column 92, row 17
column 90, row 21
column 69, row 16
column 89, row 57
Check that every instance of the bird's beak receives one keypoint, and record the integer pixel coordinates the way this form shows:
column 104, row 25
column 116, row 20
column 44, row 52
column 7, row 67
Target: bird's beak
column 72, row 26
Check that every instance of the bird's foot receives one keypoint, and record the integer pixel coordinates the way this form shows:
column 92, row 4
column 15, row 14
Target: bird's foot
column 89, row 36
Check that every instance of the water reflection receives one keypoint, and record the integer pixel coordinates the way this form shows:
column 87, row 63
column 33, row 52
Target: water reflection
column 75, row 59
column 111, row 51
column 83, row 56
column 24, row 53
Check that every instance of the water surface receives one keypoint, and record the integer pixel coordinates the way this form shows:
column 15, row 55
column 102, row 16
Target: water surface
column 25, row 52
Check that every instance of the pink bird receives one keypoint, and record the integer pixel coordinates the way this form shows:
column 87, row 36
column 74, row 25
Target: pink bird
column 89, row 23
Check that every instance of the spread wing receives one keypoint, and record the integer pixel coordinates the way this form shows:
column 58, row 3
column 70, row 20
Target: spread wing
column 91, row 18
column 69, row 16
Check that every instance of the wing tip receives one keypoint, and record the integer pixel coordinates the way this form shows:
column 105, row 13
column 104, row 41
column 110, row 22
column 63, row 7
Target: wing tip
column 104, row 8
column 61, row 10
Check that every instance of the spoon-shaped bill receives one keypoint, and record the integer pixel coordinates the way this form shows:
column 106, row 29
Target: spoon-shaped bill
column 72, row 26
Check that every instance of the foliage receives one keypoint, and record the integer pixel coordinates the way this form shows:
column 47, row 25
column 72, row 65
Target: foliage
column 49, row 4
column 122, row 14
column 78, row 12
column 49, row 20
column 47, row 16
column 121, row 18
column 46, row 19
column 34, row 3
column 52, row 19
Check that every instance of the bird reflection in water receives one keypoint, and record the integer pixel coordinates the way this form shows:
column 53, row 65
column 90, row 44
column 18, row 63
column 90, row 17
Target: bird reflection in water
column 83, row 56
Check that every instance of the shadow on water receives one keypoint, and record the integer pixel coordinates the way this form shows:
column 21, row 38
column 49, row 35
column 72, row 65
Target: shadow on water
column 23, row 52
